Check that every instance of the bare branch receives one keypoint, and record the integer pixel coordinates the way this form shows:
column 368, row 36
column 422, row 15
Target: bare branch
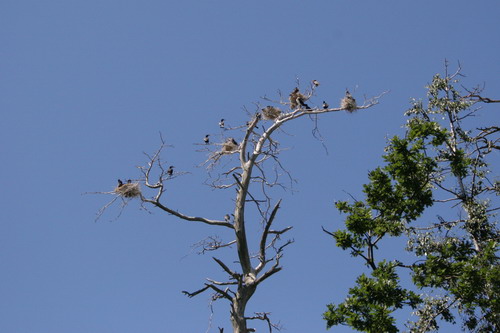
column 265, row 317
column 211, row 243
column 263, row 240
column 190, row 295
column 224, row 267
column 189, row 218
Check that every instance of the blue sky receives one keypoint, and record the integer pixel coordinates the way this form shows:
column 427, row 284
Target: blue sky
column 85, row 88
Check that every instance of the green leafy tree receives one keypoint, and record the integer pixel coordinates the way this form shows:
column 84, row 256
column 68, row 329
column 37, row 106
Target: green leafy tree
column 438, row 166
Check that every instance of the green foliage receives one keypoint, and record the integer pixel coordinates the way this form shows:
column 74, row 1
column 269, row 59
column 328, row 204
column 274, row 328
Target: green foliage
column 456, row 259
column 369, row 305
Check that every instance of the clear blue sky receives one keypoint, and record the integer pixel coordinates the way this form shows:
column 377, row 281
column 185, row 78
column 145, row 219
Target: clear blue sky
column 85, row 88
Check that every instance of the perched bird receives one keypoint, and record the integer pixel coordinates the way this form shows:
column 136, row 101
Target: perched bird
column 221, row 123
column 315, row 83
column 293, row 98
column 325, row 105
column 227, row 218
column 348, row 102
column 300, row 101
column 233, row 141
column 120, row 183
column 129, row 181
column 206, row 139
column 296, row 99
column 170, row 170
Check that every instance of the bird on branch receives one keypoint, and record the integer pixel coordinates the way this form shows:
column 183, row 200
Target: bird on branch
column 296, row 99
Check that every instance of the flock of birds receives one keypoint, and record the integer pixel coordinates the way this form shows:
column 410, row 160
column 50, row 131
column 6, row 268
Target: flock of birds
column 170, row 173
column 296, row 99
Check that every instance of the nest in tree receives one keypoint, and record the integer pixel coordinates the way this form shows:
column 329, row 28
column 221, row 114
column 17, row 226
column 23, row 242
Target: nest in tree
column 348, row 103
column 271, row 112
column 297, row 99
column 128, row 190
column 230, row 145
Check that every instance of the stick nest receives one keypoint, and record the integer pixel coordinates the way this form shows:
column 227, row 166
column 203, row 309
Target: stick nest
column 128, row 190
column 230, row 145
column 271, row 112
column 348, row 103
column 297, row 99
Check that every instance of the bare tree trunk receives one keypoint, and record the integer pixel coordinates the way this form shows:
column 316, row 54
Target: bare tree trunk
column 238, row 306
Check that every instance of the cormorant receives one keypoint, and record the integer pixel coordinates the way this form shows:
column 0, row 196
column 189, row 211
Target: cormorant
column 221, row 123
column 206, row 139
column 120, row 183
column 300, row 101
column 170, row 170
column 325, row 105
column 315, row 83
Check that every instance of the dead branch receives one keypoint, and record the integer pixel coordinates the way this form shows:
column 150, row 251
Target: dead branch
column 211, row 243
column 225, row 268
column 190, row 295
column 265, row 317
column 263, row 240
column 189, row 218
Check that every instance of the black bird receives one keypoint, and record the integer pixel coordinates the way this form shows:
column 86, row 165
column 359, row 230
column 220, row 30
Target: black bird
column 227, row 218
column 325, row 105
column 315, row 83
column 234, row 141
column 170, row 170
column 120, row 183
column 129, row 181
column 349, row 96
column 300, row 101
column 206, row 139
column 221, row 123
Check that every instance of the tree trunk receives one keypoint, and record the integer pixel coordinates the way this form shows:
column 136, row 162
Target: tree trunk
column 238, row 306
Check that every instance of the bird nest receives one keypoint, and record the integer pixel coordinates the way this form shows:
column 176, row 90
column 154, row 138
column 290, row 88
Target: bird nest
column 271, row 112
column 128, row 190
column 230, row 145
column 348, row 103
column 297, row 99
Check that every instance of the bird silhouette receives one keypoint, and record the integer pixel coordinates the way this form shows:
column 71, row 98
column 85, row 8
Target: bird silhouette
column 221, row 123
column 206, row 139
column 170, row 170
column 325, row 105
column 120, row 183
column 300, row 101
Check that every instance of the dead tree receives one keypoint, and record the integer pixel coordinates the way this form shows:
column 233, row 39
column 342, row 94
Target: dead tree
column 251, row 179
